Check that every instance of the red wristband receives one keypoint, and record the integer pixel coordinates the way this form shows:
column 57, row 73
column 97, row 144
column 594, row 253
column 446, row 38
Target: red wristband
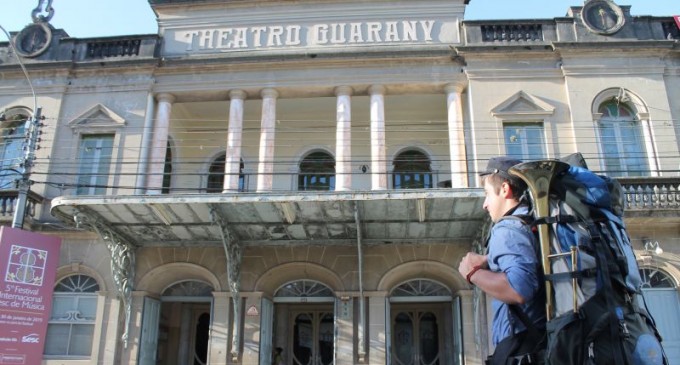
column 472, row 272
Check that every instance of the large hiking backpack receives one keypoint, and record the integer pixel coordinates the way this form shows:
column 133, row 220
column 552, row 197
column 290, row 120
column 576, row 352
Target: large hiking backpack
column 596, row 313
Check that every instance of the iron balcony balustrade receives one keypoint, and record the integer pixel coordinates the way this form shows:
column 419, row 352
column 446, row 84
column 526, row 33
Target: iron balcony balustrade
column 651, row 193
column 8, row 201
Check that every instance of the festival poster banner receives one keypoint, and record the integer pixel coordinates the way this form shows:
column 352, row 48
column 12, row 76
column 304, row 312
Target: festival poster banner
column 677, row 20
column 28, row 264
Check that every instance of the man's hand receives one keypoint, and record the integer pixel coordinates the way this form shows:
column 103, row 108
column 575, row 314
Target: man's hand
column 470, row 261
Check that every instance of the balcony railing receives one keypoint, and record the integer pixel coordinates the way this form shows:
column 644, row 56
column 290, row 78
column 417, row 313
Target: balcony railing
column 512, row 32
column 8, row 201
column 651, row 193
column 113, row 48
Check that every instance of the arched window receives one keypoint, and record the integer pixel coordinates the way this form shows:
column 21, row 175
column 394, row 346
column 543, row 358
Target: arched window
column 304, row 289
column 70, row 329
column 654, row 279
column 412, row 171
column 420, row 288
column 188, row 288
column 216, row 175
column 317, row 172
column 622, row 141
column 11, row 149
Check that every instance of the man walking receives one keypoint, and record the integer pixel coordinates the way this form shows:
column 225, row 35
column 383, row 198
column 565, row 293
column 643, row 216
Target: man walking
column 510, row 272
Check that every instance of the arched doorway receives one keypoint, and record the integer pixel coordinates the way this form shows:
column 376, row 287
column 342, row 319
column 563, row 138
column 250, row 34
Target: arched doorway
column 317, row 172
column 304, row 323
column 412, row 170
column 184, row 323
column 661, row 295
column 424, row 324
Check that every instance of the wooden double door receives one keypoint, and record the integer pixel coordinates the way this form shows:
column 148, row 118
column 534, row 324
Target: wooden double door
column 418, row 334
column 312, row 336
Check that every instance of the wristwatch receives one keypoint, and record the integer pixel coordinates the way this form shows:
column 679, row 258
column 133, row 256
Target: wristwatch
column 33, row 40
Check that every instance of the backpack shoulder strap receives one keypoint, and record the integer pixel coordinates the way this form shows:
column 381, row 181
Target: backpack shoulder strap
column 524, row 218
column 519, row 314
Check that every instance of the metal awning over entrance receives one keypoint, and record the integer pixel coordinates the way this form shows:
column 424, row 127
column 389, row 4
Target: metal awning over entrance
column 326, row 218
column 236, row 220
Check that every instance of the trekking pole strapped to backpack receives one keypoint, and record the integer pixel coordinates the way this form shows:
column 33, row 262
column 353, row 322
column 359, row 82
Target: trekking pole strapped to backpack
column 594, row 306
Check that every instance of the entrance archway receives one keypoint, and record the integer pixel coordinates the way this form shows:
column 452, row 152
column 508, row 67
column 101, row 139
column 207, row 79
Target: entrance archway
column 184, row 323
column 424, row 324
column 304, row 322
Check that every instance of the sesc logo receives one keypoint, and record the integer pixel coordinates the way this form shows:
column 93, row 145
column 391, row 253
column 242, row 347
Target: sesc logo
column 31, row 338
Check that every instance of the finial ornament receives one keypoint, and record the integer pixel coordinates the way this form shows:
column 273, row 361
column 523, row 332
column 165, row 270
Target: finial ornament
column 43, row 6
column 36, row 38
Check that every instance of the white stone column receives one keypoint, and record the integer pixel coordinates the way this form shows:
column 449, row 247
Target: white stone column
column 219, row 329
column 232, row 163
column 458, row 158
column 159, row 143
column 377, row 328
column 343, row 139
column 378, row 155
column 265, row 166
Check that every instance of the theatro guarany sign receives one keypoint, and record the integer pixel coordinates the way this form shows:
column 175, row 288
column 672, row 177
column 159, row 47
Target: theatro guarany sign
column 309, row 36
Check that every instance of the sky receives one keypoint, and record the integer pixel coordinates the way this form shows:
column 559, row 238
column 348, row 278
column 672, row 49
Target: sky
column 101, row 18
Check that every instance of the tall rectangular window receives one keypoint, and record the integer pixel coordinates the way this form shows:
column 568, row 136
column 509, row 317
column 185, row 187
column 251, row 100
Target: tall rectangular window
column 525, row 141
column 94, row 162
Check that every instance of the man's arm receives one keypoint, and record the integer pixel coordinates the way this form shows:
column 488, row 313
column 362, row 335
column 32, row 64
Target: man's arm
column 492, row 283
column 496, row 284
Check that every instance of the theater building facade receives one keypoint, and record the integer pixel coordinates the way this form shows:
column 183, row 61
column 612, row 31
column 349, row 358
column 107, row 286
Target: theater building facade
column 302, row 175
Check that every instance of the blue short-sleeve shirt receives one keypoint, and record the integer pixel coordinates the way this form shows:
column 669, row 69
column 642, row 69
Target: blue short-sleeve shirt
column 511, row 250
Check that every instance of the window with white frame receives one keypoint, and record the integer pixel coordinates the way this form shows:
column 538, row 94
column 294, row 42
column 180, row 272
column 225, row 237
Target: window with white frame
column 94, row 162
column 12, row 135
column 621, row 140
column 71, row 326
column 525, row 141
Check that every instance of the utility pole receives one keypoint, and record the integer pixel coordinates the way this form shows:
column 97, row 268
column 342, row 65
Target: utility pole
column 24, row 183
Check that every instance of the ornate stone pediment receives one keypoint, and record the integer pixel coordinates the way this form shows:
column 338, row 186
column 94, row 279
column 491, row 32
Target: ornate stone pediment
column 98, row 117
column 523, row 105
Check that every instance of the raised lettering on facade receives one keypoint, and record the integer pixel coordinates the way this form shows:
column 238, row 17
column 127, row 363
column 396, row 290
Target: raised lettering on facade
column 314, row 35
